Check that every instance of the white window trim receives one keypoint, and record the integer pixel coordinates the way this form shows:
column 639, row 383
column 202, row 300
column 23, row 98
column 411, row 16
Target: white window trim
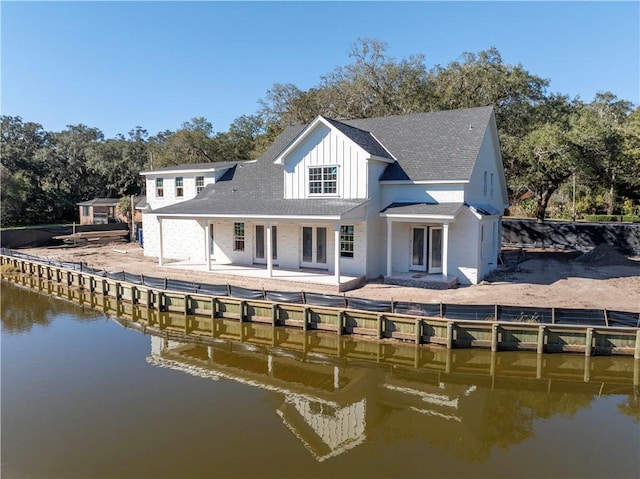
column 322, row 182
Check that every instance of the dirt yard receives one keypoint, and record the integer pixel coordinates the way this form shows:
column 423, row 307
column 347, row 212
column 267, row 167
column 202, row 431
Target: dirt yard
column 545, row 278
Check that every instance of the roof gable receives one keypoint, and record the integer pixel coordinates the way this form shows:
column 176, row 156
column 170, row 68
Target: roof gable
column 362, row 139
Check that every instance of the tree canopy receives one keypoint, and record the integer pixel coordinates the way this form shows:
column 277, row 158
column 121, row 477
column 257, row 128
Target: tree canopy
column 545, row 137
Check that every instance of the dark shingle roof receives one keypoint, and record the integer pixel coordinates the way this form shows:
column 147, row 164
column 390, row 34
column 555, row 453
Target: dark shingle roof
column 362, row 138
column 193, row 166
column 256, row 188
column 427, row 146
column 440, row 145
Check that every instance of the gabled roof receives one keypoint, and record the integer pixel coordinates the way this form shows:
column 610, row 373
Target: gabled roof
column 432, row 146
column 255, row 188
column 439, row 146
column 362, row 138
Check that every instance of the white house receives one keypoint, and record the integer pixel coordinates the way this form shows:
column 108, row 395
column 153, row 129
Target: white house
column 415, row 198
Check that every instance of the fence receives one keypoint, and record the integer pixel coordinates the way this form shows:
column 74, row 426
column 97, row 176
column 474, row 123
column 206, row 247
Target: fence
column 451, row 325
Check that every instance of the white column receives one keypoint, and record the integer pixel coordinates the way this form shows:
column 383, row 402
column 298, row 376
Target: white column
column 336, row 248
column 389, row 246
column 160, row 229
column 207, row 244
column 269, row 251
column 445, row 249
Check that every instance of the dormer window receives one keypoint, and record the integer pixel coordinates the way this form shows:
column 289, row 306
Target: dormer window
column 323, row 180
column 159, row 188
column 179, row 187
column 199, row 184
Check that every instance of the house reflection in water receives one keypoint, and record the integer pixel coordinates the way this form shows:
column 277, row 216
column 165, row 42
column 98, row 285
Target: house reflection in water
column 331, row 406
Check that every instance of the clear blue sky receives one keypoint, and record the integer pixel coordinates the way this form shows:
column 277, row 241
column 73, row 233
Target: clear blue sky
column 115, row 65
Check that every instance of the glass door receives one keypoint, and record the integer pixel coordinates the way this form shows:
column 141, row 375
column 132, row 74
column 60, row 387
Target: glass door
column 314, row 247
column 259, row 255
column 435, row 250
column 418, row 249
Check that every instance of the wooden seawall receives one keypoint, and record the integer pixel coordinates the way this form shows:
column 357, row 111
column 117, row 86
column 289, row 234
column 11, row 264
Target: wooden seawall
column 196, row 309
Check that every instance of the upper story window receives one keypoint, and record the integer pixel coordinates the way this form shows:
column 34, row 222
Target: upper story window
column 159, row 187
column 179, row 186
column 347, row 237
column 199, row 184
column 485, row 183
column 323, row 180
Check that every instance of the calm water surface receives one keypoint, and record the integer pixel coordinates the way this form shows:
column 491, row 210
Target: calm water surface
column 84, row 397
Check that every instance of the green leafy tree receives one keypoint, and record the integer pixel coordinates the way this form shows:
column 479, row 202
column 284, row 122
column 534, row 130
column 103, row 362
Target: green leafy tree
column 600, row 134
column 546, row 159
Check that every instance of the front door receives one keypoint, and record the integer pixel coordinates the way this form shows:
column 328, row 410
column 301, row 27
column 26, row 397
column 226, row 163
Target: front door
column 435, row 250
column 314, row 247
column 261, row 244
column 418, row 248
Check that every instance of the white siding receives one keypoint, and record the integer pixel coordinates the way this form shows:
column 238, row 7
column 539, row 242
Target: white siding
column 326, row 147
column 487, row 165
column 169, row 186
column 453, row 193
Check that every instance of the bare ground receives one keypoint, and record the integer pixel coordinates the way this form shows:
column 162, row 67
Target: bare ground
column 543, row 278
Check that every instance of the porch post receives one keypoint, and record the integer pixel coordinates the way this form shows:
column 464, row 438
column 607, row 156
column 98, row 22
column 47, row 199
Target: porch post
column 336, row 247
column 389, row 246
column 160, row 255
column 445, row 249
column 269, row 251
column 207, row 244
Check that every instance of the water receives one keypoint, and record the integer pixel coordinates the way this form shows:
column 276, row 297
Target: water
column 84, row 397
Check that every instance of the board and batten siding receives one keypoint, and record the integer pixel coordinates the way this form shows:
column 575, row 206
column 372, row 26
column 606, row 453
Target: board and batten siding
column 326, row 147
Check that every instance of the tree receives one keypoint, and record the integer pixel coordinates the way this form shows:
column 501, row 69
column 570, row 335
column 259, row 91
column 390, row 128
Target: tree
column 546, row 158
column 22, row 170
column 599, row 131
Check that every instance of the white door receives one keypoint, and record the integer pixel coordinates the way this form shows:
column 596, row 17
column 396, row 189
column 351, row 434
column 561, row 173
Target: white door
column 435, row 250
column 418, row 248
column 314, row 247
column 259, row 254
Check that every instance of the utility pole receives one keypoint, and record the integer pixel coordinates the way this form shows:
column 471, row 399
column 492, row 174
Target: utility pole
column 574, row 197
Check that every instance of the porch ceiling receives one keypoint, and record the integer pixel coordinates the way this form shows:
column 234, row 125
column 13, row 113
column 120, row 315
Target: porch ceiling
column 422, row 210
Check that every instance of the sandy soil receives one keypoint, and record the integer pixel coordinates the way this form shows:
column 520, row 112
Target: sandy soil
column 542, row 278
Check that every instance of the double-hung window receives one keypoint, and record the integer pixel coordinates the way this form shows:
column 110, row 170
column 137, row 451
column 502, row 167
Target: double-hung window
column 323, row 180
column 179, row 187
column 238, row 236
column 159, row 188
column 85, row 211
column 346, row 241
column 199, row 184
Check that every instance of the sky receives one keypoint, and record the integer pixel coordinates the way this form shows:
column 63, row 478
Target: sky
column 118, row 65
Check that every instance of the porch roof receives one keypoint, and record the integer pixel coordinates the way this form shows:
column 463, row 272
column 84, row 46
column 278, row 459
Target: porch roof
column 422, row 210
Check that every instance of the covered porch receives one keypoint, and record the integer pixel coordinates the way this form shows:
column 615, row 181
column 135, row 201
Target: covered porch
column 311, row 248
column 260, row 272
column 418, row 244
